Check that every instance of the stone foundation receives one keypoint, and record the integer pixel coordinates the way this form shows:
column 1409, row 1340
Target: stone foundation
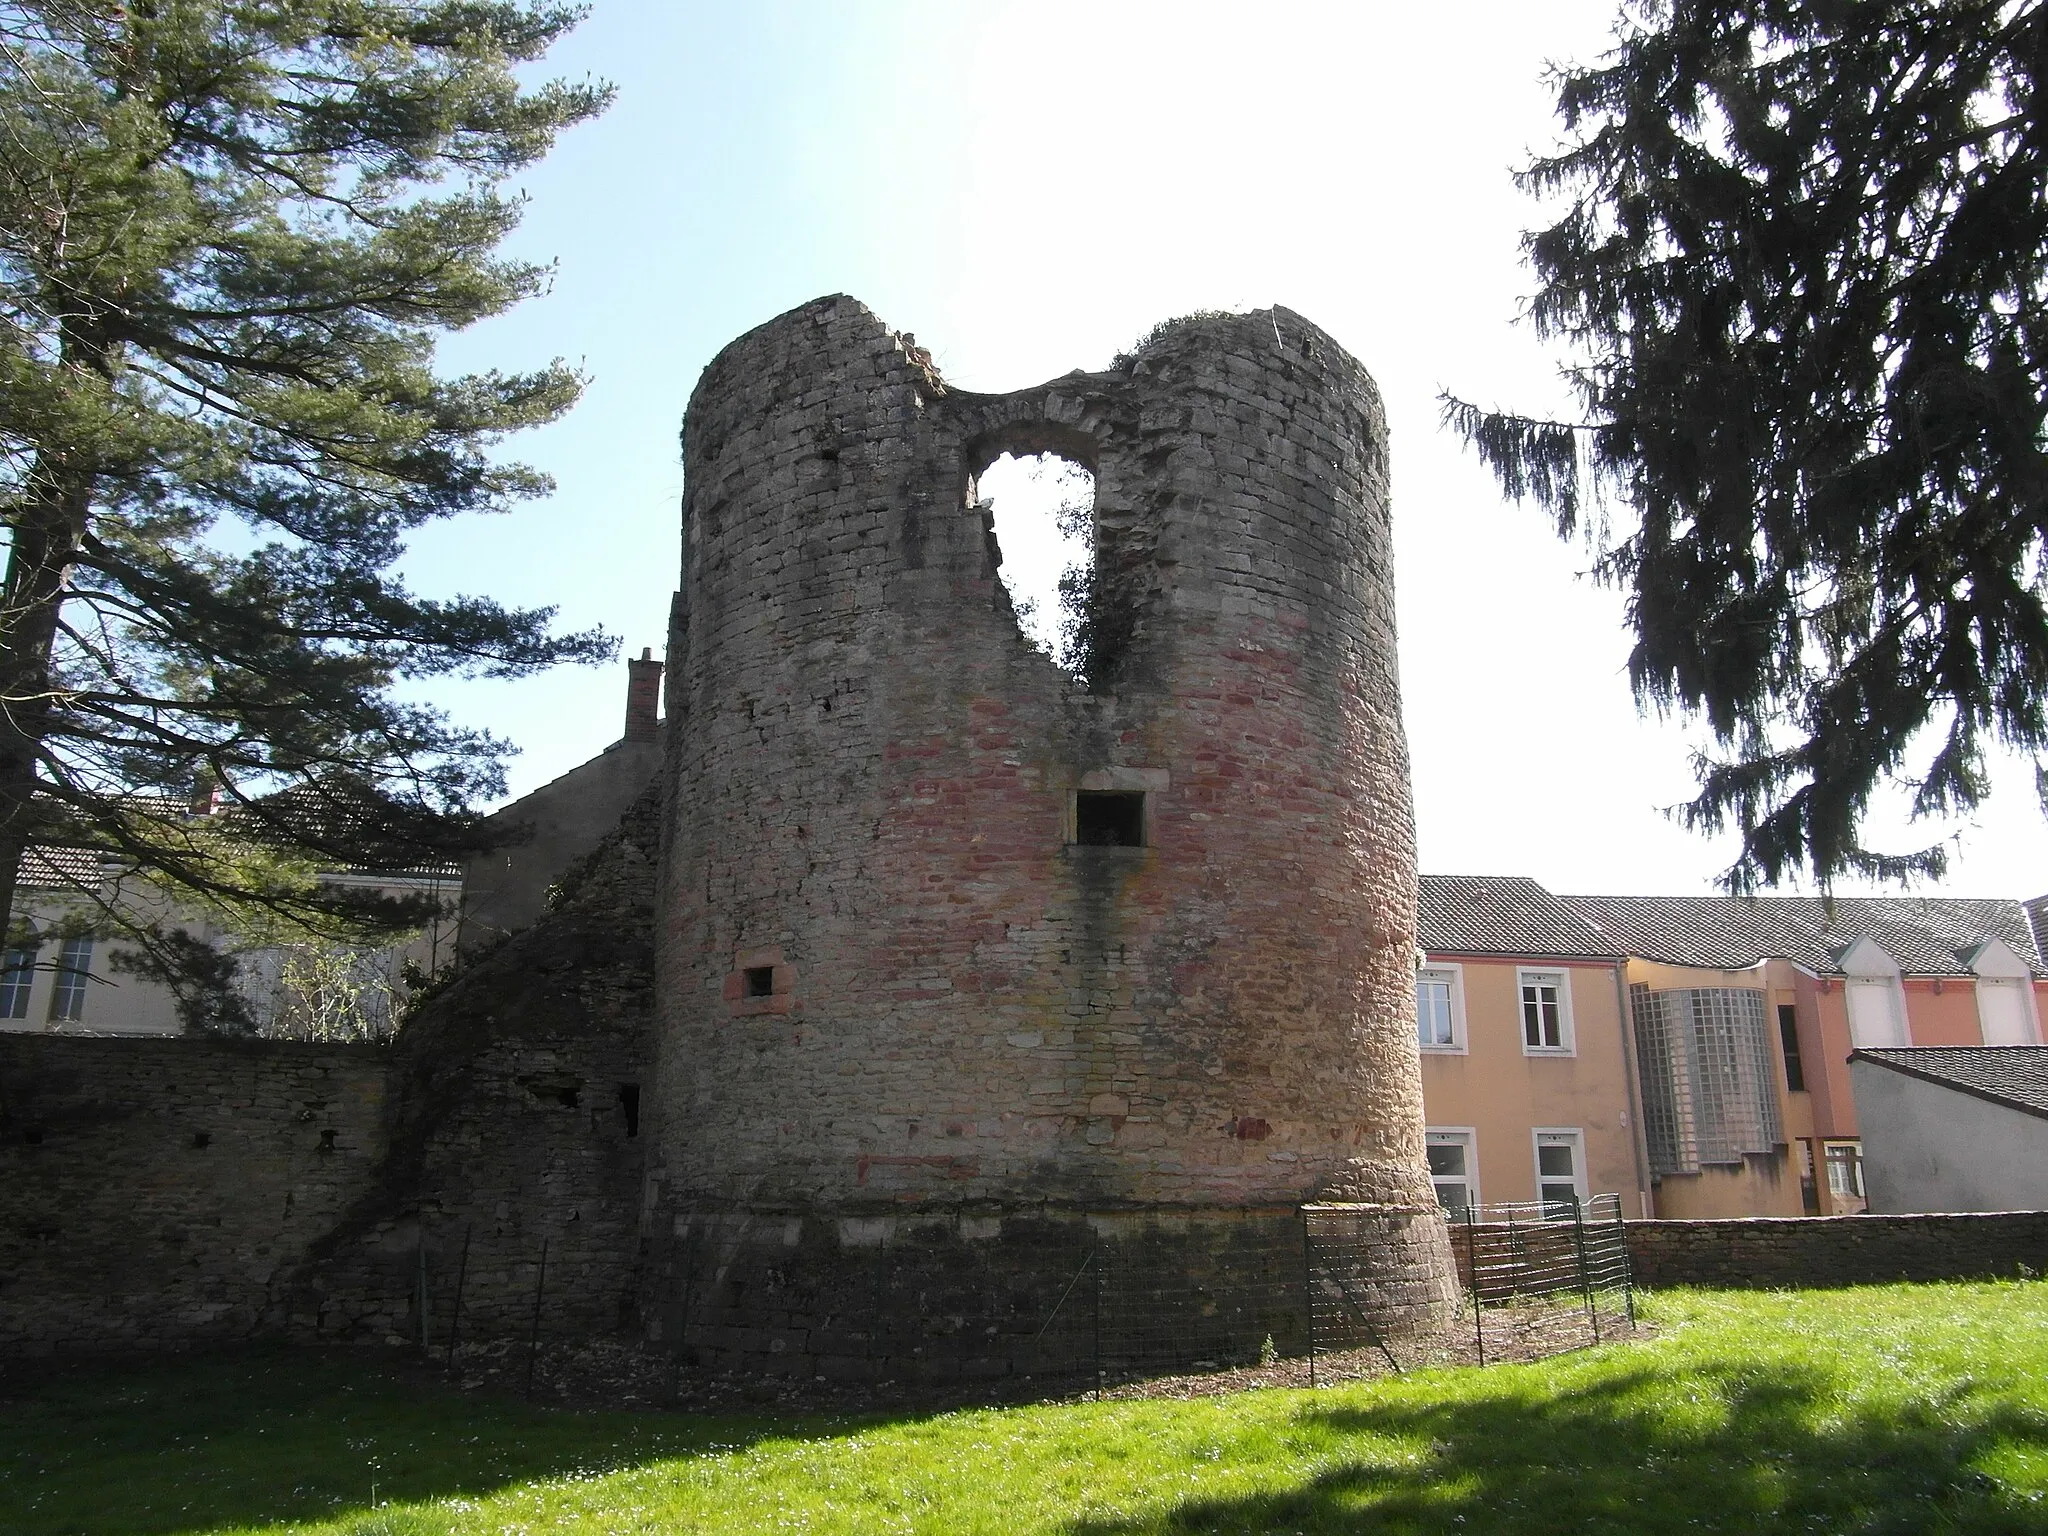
column 1048, row 1292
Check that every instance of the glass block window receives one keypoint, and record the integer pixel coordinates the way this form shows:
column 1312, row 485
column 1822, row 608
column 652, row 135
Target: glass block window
column 1709, row 1089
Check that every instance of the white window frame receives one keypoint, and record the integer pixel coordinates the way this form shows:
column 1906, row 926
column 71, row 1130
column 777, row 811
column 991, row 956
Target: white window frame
column 1573, row 1136
column 1468, row 1136
column 1829, row 1163
column 1999, row 969
column 1869, row 972
column 69, row 981
column 1568, row 1039
column 1455, row 974
column 20, row 992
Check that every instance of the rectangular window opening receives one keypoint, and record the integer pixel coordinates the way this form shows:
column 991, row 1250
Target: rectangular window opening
column 1546, row 1017
column 1788, row 1033
column 1560, row 1173
column 1109, row 818
column 17, row 980
column 629, row 1101
column 67, row 996
column 758, row 981
column 1436, row 1013
column 1454, row 1172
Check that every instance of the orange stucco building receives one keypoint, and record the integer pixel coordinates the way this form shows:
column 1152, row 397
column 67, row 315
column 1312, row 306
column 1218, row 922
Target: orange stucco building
column 1690, row 1054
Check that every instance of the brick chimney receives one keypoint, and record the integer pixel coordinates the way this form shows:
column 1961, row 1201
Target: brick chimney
column 643, row 698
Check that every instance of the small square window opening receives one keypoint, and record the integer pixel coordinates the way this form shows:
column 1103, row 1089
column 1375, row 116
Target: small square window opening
column 758, row 981
column 1454, row 1171
column 1109, row 818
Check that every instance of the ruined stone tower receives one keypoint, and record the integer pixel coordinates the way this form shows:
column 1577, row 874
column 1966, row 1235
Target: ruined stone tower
column 962, row 965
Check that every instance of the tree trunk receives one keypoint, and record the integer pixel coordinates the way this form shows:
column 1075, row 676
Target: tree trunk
column 46, row 535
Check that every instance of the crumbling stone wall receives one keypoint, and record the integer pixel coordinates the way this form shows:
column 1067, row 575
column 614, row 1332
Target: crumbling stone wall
column 162, row 1192
column 167, row 1193
column 515, row 1124
column 873, row 790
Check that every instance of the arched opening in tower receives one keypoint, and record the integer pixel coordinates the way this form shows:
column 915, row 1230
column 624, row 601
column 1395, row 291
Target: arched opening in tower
column 1043, row 508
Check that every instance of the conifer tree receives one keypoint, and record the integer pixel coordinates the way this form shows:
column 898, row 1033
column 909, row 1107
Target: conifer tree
column 1799, row 276
column 231, row 232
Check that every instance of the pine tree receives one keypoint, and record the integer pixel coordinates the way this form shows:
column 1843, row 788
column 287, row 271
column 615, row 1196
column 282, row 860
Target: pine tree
column 1799, row 280
column 231, row 232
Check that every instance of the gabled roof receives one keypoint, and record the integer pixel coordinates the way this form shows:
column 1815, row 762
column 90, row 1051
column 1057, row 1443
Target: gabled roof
column 1926, row 936
column 2013, row 1075
column 1511, row 915
column 2037, row 920
column 1502, row 915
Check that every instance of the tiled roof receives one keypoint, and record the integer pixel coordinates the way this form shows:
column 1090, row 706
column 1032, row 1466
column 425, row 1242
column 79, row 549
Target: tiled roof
column 1510, row 915
column 1926, row 936
column 2037, row 920
column 1502, row 915
column 48, row 868
column 2015, row 1075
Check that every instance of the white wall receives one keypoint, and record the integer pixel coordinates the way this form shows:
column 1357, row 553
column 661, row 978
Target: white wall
column 1930, row 1148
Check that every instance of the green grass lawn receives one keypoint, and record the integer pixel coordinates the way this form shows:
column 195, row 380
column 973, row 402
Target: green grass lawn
column 1899, row 1408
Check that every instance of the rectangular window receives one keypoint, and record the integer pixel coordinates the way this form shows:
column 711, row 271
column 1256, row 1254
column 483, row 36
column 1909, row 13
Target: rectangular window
column 1788, row 1033
column 1845, row 1169
column 1809, row 1192
column 1109, row 818
column 1439, row 1008
column 17, row 980
column 1546, row 1012
column 67, row 992
column 1560, row 1172
column 2002, row 1011
column 1454, row 1170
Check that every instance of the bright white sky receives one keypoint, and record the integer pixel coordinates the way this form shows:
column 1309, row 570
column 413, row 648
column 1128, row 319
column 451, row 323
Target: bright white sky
column 1029, row 185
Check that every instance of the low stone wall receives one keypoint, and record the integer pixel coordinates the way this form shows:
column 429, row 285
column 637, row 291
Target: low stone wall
column 1838, row 1250
column 160, row 1192
column 975, row 1295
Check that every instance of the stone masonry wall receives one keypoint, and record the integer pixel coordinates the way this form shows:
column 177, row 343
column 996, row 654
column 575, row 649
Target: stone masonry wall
column 874, row 773
column 873, row 777
column 515, row 1124
column 166, row 1193
column 161, row 1193
column 1838, row 1250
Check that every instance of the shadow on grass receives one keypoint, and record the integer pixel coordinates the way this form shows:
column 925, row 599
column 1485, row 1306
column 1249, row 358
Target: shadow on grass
column 1717, row 1449
column 261, row 1438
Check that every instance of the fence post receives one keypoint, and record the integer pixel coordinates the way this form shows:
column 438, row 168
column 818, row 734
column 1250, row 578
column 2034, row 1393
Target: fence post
column 681, row 1319
column 1308, row 1293
column 1095, row 1257
column 1472, row 1273
column 420, row 1263
column 1585, row 1274
column 533, row 1334
column 1628, row 1267
column 461, row 1276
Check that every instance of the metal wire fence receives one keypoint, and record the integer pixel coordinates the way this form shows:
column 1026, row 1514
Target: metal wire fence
column 1545, row 1276
column 1537, row 1278
column 1340, row 1289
